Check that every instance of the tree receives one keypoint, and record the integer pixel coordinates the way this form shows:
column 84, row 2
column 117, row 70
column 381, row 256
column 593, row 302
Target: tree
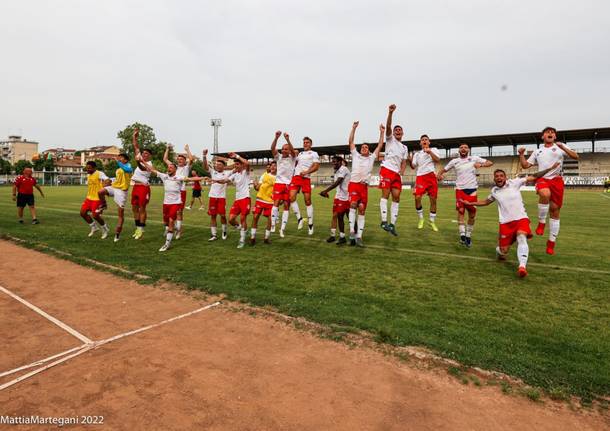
column 21, row 165
column 146, row 139
column 44, row 163
column 200, row 169
column 5, row 166
column 110, row 168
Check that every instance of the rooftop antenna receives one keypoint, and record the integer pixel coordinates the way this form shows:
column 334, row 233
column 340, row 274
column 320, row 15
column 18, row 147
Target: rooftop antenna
column 216, row 123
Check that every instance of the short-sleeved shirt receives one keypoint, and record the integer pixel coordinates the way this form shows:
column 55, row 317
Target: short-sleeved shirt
column 242, row 184
column 95, row 183
column 265, row 191
column 395, row 153
column 196, row 185
column 510, row 202
column 25, row 185
column 466, row 173
column 285, row 168
column 305, row 160
column 172, row 186
column 219, row 190
column 361, row 167
column 341, row 190
column 121, row 179
column 183, row 171
column 546, row 157
column 141, row 176
column 423, row 161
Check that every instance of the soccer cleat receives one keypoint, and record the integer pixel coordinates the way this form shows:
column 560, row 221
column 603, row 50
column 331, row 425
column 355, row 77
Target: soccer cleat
column 342, row 241
column 281, row 233
column 139, row 234
column 522, row 272
column 384, row 225
column 35, row 221
column 272, row 228
column 187, row 208
column 105, row 231
column 201, row 208
column 540, row 228
column 550, row 247
column 241, row 244
column 252, row 241
column 300, row 225
column 310, row 229
column 213, row 238
column 359, row 242
column 116, row 237
column 463, row 239
column 433, row 226
column 178, row 234
column 330, row 239
column 93, row 230
column 135, row 233
column 352, row 242
column 267, row 241
column 420, row 223
column 468, row 242
column 392, row 229
column 164, row 247
column 224, row 235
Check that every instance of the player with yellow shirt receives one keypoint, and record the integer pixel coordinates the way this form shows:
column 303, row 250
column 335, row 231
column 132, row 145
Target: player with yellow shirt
column 118, row 189
column 95, row 183
column 264, row 201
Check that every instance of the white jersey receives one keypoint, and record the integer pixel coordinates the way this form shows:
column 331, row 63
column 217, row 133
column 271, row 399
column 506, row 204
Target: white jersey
column 423, row 161
column 140, row 176
column 219, row 191
column 465, row 171
column 546, row 157
column 242, row 184
column 395, row 153
column 361, row 167
column 285, row 168
column 305, row 160
column 171, row 186
column 183, row 171
column 510, row 202
column 341, row 193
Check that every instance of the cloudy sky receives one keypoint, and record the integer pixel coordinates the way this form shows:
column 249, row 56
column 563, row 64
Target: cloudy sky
column 75, row 72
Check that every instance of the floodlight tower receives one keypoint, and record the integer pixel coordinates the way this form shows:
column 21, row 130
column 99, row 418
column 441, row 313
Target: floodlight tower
column 216, row 123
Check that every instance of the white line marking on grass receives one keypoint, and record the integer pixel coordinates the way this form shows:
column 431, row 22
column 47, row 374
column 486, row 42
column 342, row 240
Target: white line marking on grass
column 604, row 196
column 58, row 322
column 41, row 361
column 94, row 345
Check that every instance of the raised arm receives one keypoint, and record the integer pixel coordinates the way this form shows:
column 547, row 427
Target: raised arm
column 189, row 155
column 241, row 159
column 134, row 141
column 287, row 137
column 166, row 156
column 570, row 152
column 352, row 133
column 274, row 143
column 388, row 121
column 524, row 163
column 380, row 142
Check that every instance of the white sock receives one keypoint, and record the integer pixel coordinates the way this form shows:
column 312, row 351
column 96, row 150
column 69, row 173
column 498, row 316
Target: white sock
column 553, row 229
column 168, row 237
column 462, row 229
column 242, row 235
column 213, row 229
column 394, row 212
column 469, row 229
column 352, row 221
column 432, row 217
column 253, row 232
column 295, row 210
column 284, row 219
column 224, row 228
column 543, row 210
column 179, row 225
column 522, row 250
column 275, row 215
column 420, row 213
column 360, row 225
column 93, row 224
column 309, row 209
column 333, row 232
column 383, row 207
column 341, row 235
column 267, row 233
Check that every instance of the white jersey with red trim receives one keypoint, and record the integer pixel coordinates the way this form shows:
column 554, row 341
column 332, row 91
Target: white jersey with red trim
column 466, row 173
column 219, row 190
column 341, row 190
column 545, row 157
column 395, row 153
column 285, row 168
column 509, row 199
column 183, row 171
column 423, row 161
column 140, row 176
column 171, row 186
column 361, row 167
column 242, row 184
column 305, row 160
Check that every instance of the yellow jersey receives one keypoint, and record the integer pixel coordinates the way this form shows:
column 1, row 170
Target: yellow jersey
column 265, row 192
column 95, row 184
column 121, row 180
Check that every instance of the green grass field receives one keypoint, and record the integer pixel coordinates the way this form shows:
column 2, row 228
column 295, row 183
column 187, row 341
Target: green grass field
column 551, row 329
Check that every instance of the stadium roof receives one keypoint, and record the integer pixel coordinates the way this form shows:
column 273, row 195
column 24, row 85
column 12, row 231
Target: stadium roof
column 510, row 139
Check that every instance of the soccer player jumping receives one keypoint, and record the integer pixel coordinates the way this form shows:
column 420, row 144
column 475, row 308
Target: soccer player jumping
column 425, row 183
column 286, row 161
column 550, row 186
column 308, row 162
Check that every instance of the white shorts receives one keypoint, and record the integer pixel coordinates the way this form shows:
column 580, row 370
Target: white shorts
column 119, row 196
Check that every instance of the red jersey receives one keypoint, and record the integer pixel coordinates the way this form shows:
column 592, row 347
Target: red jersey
column 25, row 185
column 196, row 185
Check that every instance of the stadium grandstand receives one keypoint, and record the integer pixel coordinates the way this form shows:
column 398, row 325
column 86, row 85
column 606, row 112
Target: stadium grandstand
column 591, row 169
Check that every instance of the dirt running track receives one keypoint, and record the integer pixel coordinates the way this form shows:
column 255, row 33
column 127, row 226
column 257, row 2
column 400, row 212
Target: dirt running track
column 220, row 369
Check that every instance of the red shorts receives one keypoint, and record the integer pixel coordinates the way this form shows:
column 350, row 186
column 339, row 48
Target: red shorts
column 89, row 205
column 140, row 195
column 358, row 193
column 555, row 185
column 300, row 183
column 280, row 192
column 508, row 231
column 263, row 208
column 340, row 207
column 460, row 194
column 170, row 211
column 389, row 179
column 183, row 198
column 426, row 184
column 217, row 206
column 240, row 206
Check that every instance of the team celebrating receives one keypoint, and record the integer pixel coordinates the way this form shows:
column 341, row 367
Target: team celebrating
column 289, row 173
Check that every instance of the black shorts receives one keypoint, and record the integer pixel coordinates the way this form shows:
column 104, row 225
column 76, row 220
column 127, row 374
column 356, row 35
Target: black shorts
column 23, row 200
column 196, row 193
